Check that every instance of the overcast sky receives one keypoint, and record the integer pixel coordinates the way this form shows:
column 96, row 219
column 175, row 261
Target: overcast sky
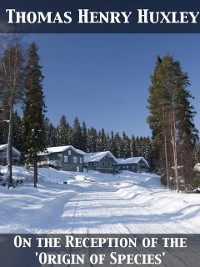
column 103, row 79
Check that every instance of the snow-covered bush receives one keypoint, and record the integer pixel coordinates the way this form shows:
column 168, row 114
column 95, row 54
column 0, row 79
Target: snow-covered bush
column 196, row 183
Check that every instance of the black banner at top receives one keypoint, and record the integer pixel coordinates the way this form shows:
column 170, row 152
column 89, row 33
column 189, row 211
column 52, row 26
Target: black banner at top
column 100, row 16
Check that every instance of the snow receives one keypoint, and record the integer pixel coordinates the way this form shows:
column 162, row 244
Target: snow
column 197, row 167
column 131, row 160
column 4, row 146
column 92, row 202
column 96, row 157
column 58, row 149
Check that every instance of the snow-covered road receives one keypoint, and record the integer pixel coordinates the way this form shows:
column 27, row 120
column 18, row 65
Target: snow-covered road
column 98, row 203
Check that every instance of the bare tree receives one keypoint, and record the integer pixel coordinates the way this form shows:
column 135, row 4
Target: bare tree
column 11, row 87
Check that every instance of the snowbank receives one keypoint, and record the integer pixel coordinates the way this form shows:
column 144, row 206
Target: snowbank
column 67, row 202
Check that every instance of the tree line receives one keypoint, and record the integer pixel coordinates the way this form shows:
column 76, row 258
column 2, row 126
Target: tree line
column 86, row 139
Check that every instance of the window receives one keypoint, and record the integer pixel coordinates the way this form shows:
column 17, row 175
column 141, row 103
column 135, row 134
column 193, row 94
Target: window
column 81, row 160
column 74, row 159
column 69, row 152
column 65, row 158
column 60, row 155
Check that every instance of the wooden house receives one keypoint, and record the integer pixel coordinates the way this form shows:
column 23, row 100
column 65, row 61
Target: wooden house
column 100, row 161
column 16, row 155
column 65, row 158
column 133, row 164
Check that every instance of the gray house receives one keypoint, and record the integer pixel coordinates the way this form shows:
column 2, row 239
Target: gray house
column 134, row 164
column 16, row 155
column 100, row 161
column 65, row 158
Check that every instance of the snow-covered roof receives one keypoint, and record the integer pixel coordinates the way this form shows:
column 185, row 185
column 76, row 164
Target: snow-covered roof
column 131, row 160
column 96, row 157
column 2, row 147
column 58, row 149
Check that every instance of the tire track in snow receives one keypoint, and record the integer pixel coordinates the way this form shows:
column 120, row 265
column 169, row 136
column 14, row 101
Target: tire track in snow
column 89, row 214
column 72, row 214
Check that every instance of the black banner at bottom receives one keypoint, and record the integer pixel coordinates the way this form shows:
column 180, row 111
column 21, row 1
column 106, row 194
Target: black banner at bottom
column 99, row 250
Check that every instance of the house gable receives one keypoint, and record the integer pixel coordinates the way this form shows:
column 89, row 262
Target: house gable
column 100, row 161
column 16, row 155
column 66, row 158
column 134, row 164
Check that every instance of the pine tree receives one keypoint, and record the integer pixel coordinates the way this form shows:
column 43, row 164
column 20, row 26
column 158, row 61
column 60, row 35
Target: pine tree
column 133, row 147
column 126, row 145
column 101, row 141
column 107, row 143
column 77, row 134
column 70, row 135
column 63, row 131
column 197, row 152
column 150, row 154
column 51, row 134
column 33, row 123
column 171, row 120
column 92, row 140
column 112, row 145
column 84, row 136
column 119, row 146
